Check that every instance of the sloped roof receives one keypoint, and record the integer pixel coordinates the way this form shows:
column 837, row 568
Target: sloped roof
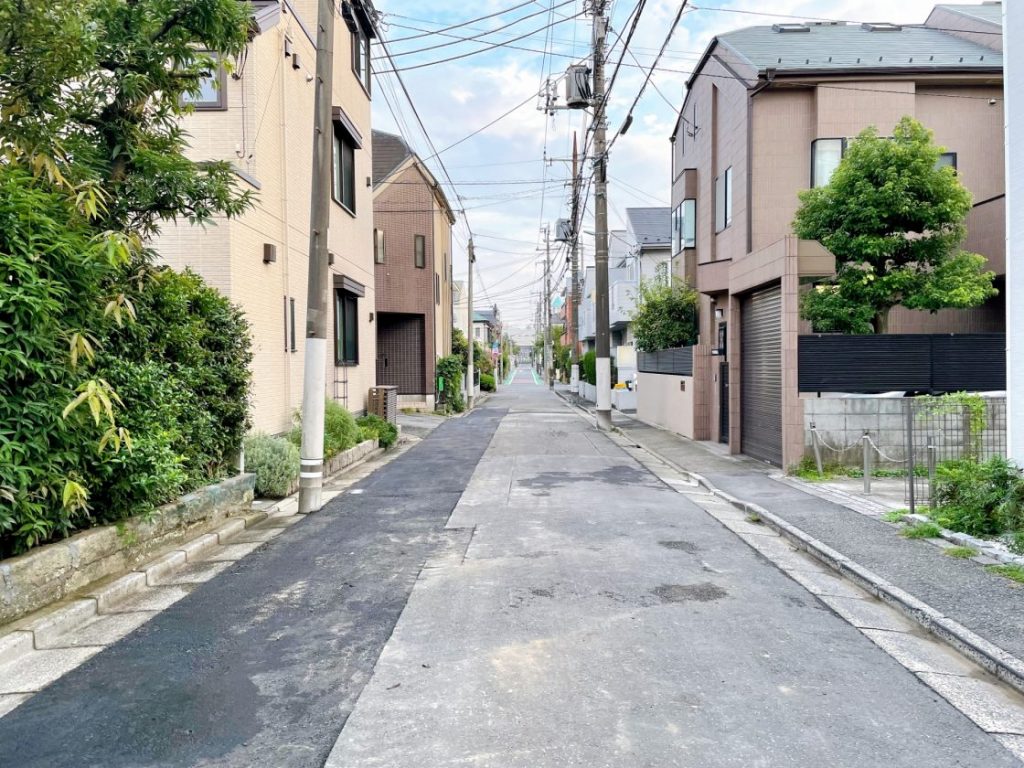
column 650, row 226
column 990, row 12
column 389, row 152
column 830, row 47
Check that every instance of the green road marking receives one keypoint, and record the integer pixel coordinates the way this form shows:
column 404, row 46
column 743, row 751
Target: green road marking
column 536, row 380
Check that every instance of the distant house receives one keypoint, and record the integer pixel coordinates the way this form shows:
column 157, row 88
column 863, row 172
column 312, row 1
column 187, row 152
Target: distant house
column 412, row 268
column 487, row 326
column 259, row 118
column 768, row 112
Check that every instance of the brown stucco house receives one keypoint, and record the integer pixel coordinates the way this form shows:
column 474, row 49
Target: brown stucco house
column 412, row 270
column 767, row 113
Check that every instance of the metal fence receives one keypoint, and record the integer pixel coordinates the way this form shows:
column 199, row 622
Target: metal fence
column 943, row 429
column 677, row 361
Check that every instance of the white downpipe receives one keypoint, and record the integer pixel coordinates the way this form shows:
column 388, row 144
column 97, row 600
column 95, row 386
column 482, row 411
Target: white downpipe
column 574, row 380
column 1013, row 62
column 312, row 449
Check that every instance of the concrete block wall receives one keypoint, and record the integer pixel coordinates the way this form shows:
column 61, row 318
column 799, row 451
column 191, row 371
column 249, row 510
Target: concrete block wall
column 842, row 422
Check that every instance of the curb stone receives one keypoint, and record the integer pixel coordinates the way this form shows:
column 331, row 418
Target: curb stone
column 1004, row 665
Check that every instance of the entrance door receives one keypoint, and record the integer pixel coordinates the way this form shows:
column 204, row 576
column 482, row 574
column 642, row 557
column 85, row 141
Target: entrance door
column 723, row 402
column 401, row 353
column 761, row 383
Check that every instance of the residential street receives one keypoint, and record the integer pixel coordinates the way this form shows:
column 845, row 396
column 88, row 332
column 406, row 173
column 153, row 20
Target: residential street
column 573, row 610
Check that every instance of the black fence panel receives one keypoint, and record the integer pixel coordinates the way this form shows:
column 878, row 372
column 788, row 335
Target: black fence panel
column 913, row 362
column 678, row 361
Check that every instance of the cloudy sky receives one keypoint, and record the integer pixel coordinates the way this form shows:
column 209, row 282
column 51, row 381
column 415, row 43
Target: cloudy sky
column 507, row 189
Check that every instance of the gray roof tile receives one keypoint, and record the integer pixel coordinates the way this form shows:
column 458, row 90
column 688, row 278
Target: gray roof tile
column 650, row 226
column 389, row 152
column 852, row 47
column 990, row 12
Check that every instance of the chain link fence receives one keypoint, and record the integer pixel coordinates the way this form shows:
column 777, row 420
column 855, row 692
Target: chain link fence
column 941, row 429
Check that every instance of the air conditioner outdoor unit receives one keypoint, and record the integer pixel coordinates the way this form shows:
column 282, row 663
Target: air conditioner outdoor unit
column 577, row 87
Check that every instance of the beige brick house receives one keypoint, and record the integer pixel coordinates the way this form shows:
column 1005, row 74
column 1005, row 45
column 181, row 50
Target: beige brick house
column 413, row 270
column 257, row 113
column 767, row 113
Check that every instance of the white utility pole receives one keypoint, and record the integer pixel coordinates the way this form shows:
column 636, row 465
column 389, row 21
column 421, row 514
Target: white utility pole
column 311, row 474
column 602, row 333
column 472, row 342
column 548, row 372
column 1013, row 78
column 574, row 319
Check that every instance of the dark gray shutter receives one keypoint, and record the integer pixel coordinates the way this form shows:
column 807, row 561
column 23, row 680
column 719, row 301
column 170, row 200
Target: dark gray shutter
column 761, row 363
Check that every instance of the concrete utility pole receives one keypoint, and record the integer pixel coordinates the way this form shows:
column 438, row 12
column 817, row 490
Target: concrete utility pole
column 311, row 475
column 1013, row 67
column 472, row 342
column 548, row 372
column 574, row 320
column 604, row 363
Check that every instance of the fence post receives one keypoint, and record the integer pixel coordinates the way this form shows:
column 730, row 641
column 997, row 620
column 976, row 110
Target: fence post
column 931, row 473
column 817, row 449
column 910, row 455
column 866, row 443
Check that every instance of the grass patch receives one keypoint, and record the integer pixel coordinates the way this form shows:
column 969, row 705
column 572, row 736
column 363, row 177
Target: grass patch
column 1009, row 570
column 895, row 515
column 961, row 553
column 922, row 531
column 807, row 469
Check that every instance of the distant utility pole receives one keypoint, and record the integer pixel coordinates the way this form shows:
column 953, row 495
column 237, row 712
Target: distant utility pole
column 311, row 474
column 1013, row 30
column 574, row 320
column 604, row 363
column 548, row 372
column 470, row 376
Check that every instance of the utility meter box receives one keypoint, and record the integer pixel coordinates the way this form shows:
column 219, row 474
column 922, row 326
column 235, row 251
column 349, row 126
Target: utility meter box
column 578, row 93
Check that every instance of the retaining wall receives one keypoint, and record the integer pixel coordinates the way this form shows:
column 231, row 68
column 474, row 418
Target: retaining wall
column 50, row 572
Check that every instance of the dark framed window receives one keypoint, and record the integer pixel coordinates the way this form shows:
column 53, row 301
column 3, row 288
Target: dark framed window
column 946, row 160
column 291, row 311
column 343, row 181
column 723, row 200
column 361, row 57
column 437, row 288
column 419, row 243
column 826, row 154
column 378, row 246
column 212, row 93
column 346, row 327
column 684, row 225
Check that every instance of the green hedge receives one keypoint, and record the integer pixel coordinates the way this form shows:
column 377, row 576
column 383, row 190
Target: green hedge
column 588, row 368
column 374, row 427
column 487, row 382
column 275, row 461
column 340, row 430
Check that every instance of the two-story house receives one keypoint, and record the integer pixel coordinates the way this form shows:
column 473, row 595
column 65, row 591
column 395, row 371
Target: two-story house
column 257, row 114
column 413, row 271
column 768, row 112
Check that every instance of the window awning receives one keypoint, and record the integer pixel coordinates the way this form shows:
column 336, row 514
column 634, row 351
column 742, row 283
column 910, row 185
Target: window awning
column 348, row 284
column 339, row 116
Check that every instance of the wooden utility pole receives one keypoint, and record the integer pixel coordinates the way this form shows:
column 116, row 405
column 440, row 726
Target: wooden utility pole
column 548, row 371
column 311, row 475
column 602, row 333
column 470, row 375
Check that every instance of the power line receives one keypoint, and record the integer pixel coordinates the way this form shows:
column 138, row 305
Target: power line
column 484, row 33
column 462, row 23
column 396, row 68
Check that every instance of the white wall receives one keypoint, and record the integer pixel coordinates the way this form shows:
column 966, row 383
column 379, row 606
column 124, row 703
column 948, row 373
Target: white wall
column 1013, row 62
column 666, row 401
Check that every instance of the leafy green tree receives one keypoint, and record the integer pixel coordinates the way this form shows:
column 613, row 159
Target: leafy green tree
column 894, row 220
column 665, row 316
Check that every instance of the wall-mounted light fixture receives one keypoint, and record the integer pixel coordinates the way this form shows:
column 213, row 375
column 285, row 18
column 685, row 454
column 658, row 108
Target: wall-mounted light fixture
column 719, row 313
column 330, row 258
column 269, row 253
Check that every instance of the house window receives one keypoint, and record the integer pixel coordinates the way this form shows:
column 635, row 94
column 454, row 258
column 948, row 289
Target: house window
column 826, row 155
column 291, row 310
column 361, row 57
column 212, row 91
column 420, row 250
column 677, row 229
column 437, row 288
column 343, row 182
column 684, row 226
column 346, row 327
column 378, row 246
column 723, row 200
column 946, row 160
column 661, row 273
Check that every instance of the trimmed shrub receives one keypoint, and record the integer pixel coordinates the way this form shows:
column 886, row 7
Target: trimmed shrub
column 977, row 497
column 487, row 382
column 275, row 462
column 376, row 428
column 588, row 368
column 340, row 430
column 451, row 368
